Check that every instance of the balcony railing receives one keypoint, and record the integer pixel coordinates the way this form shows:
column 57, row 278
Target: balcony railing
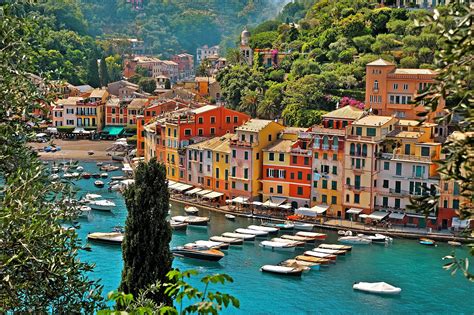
column 357, row 188
column 300, row 151
column 361, row 138
column 243, row 143
column 406, row 157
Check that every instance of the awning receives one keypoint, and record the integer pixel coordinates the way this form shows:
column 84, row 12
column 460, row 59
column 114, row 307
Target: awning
column 182, row 187
column 238, row 200
column 213, row 195
column 274, row 202
column 193, row 191
column 257, row 203
column 312, row 212
column 363, row 216
column 113, row 130
column 378, row 215
column 171, row 183
column 41, row 135
column 203, row 192
column 396, row 216
column 354, row 210
column 80, row 130
column 416, row 215
column 286, row 206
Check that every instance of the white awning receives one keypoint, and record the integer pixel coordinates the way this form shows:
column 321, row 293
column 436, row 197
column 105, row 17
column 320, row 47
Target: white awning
column 193, row 191
column 238, row 199
column 79, row 130
column 285, row 206
column 396, row 216
column 312, row 212
column 257, row 203
column 416, row 215
column 182, row 187
column 213, row 195
column 378, row 215
column 274, row 202
column 354, row 210
column 171, row 183
column 363, row 216
column 203, row 192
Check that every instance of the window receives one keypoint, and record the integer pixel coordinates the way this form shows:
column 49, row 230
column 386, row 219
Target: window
column 306, row 160
column 385, row 201
column 227, row 119
column 325, row 156
column 456, row 188
column 325, row 184
column 359, row 131
column 455, row 203
column 294, row 159
column 200, row 132
column 292, row 175
column 246, row 155
column 300, row 191
column 334, row 157
column 376, row 85
column 352, row 149
column 333, row 200
column 316, row 155
column 200, row 120
column 217, row 157
column 386, row 166
column 269, row 137
column 271, row 190
column 395, row 86
column 371, row 132
column 234, row 170
column 257, row 156
column 398, row 170
column 251, row 138
column 213, row 131
column 271, row 156
column 357, row 181
column 300, row 175
column 246, row 173
column 425, row 151
column 209, row 154
column 334, row 185
column 233, row 185
column 386, row 183
column 213, row 120
column 347, row 198
column 281, row 157
column 226, row 159
column 334, row 170
column 398, row 186
column 407, row 149
column 315, row 184
column 308, row 176
column 324, row 199
column 234, row 153
column 236, row 119
column 242, row 138
column 246, row 187
column 279, row 189
column 208, row 182
column 405, row 86
column 397, row 203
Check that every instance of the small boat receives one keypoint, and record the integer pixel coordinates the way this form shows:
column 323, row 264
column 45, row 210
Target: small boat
column 283, row 240
column 69, row 175
column 300, row 263
column 54, row 177
column 102, row 205
column 112, row 168
column 245, row 237
column 230, row 217
column 303, row 226
column 99, row 163
column 252, row 232
column 90, row 152
column 228, row 240
column 191, row 220
column 315, row 236
column 91, row 197
column 111, row 238
column 320, row 255
column 191, row 210
column 336, row 252
column 270, row 230
column 290, row 271
column 104, row 175
column 86, row 175
column 454, row 243
column 277, row 246
column 377, row 238
column 376, row 287
column 294, row 265
column 336, row 246
column 212, row 244
column 298, row 238
column 118, row 178
column 99, row 183
column 178, row 226
column 282, row 226
column 341, row 232
column 55, row 169
column 356, row 240
column 322, row 261
column 427, row 242
column 96, row 175
column 79, row 168
column 85, row 209
column 202, row 254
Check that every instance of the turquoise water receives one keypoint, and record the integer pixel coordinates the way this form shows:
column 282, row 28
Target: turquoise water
column 426, row 287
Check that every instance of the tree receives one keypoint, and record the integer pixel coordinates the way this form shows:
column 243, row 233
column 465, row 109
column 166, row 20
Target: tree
column 145, row 249
column 409, row 62
column 249, row 102
column 93, row 72
column 104, row 72
column 114, row 66
column 363, row 43
column 167, row 84
column 271, row 107
column 147, row 84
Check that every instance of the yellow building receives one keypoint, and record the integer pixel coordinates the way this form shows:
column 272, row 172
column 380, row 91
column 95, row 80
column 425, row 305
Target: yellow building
column 221, row 162
column 172, row 161
column 90, row 112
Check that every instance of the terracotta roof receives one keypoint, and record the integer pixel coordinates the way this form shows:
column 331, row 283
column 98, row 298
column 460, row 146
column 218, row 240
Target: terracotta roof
column 204, row 109
column 407, row 134
column 205, row 79
column 346, row 112
column 212, row 144
column 373, row 120
column 380, row 62
column 99, row 93
column 138, row 103
column 415, row 123
column 70, row 100
column 254, row 125
column 280, row 145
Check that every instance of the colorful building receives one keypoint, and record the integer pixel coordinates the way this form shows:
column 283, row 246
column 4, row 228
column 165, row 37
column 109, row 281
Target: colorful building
column 185, row 65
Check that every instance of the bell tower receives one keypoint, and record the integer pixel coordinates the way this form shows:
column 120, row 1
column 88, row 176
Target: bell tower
column 245, row 49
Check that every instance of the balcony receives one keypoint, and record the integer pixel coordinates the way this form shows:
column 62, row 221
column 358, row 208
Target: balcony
column 328, row 131
column 299, row 151
column 361, row 138
column 239, row 178
column 246, row 144
column 357, row 188
column 399, row 192
column 411, row 158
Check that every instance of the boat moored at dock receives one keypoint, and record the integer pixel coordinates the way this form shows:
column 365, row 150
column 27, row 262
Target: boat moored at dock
column 99, row 184
column 427, row 242
column 300, row 263
column 315, row 236
column 282, row 270
column 303, row 226
column 284, row 240
column 111, row 238
column 191, row 220
column 336, row 246
column 228, row 240
column 245, row 237
column 336, row 252
column 191, row 210
column 201, row 254
column 178, row 226
column 251, row 232
column 320, row 255
column 322, row 261
column 355, row 240
column 269, row 230
column 298, row 238
column 277, row 246
column 102, row 205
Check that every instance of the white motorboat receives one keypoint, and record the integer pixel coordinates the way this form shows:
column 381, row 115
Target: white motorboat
column 102, row 205
column 70, row 175
column 341, row 232
column 252, row 232
column 320, row 255
column 301, row 264
column 178, row 226
column 270, row 230
column 277, row 246
column 245, row 237
column 303, row 226
column 54, row 177
column 290, row 271
column 298, row 238
column 80, row 168
column 85, row 210
column 316, row 236
column 329, row 251
column 116, row 187
column 454, row 243
column 191, row 210
column 336, row 246
column 104, row 175
column 99, row 183
column 212, row 244
column 230, row 217
column 377, row 238
column 99, row 163
column 287, row 241
column 287, row 225
column 229, row 240
column 354, row 240
column 118, row 178
column 191, row 220
column 112, row 238
column 91, row 197
column 376, row 287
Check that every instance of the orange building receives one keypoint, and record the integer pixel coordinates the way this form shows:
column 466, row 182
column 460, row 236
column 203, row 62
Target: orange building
column 390, row 90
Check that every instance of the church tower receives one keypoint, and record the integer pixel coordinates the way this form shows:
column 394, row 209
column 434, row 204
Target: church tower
column 245, row 49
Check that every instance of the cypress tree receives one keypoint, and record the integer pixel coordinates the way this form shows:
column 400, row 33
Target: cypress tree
column 104, row 72
column 93, row 72
column 145, row 248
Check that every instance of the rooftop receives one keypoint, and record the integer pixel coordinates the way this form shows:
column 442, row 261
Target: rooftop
column 205, row 79
column 72, row 100
column 346, row 112
column 280, row 146
column 294, row 130
column 380, row 62
column 373, row 120
column 138, row 103
column 213, row 143
column 405, row 134
column 414, row 123
column 84, row 88
column 98, row 93
column 204, row 109
column 255, row 125
column 414, row 71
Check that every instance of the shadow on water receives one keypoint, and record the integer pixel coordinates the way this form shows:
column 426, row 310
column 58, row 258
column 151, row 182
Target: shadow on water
column 199, row 263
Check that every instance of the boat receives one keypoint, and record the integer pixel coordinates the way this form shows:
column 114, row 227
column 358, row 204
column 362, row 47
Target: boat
column 321, row 261
column 96, row 175
column 212, row 244
column 111, row 237
column 298, row 238
column 102, row 205
column 90, row 152
column 270, row 230
column 191, row 220
column 104, row 175
column 99, row 183
column 376, row 287
column 277, row 246
column 354, row 240
column 79, row 168
column 427, row 242
column 202, row 254
column 55, row 169
column 91, row 197
column 300, row 263
column 191, row 210
column 341, row 232
column 290, row 271
column 99, row 163
column 336, row 246
column 377, row 238
column 454, row 243
column 282, row 226
column 252, row 232
column 86, row 175
column 84, row 210
column 294, row 265
column 303, row 226
column 336, row 252
column 230, row 217
column 320, row 255
column 283, row 240
column 228, row 240
column 54, row 177
column 245, row 237
column 112, row 168
column 118, row 178
column 315, row 236
column 70, row 175
column 178, row 226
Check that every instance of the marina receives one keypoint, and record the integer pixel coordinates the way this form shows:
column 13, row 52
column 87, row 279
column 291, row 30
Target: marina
column 332, row 284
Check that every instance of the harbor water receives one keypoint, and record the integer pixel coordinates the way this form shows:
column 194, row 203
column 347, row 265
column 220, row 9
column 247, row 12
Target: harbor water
column 426, row 287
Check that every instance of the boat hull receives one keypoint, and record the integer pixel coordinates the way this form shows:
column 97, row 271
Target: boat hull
column 196, row 255
column 277, row 248
column 296, row 273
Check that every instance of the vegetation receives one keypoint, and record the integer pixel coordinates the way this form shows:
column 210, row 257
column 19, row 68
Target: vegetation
column 145, row 249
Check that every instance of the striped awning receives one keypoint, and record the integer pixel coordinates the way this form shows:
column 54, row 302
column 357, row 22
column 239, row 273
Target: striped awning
column 193, row 191
column 354, row 211
column 213, row 195
column 203, row 192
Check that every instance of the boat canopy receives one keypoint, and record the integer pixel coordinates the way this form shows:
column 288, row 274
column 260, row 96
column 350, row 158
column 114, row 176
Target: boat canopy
column 354, row 211
column 378, row 215
column 238, row 199
column 274, row 202
column 182, row 187
column 312, row 212
column 193, row 191
column 396, row 216
column 213, row 195
column 203, row 192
